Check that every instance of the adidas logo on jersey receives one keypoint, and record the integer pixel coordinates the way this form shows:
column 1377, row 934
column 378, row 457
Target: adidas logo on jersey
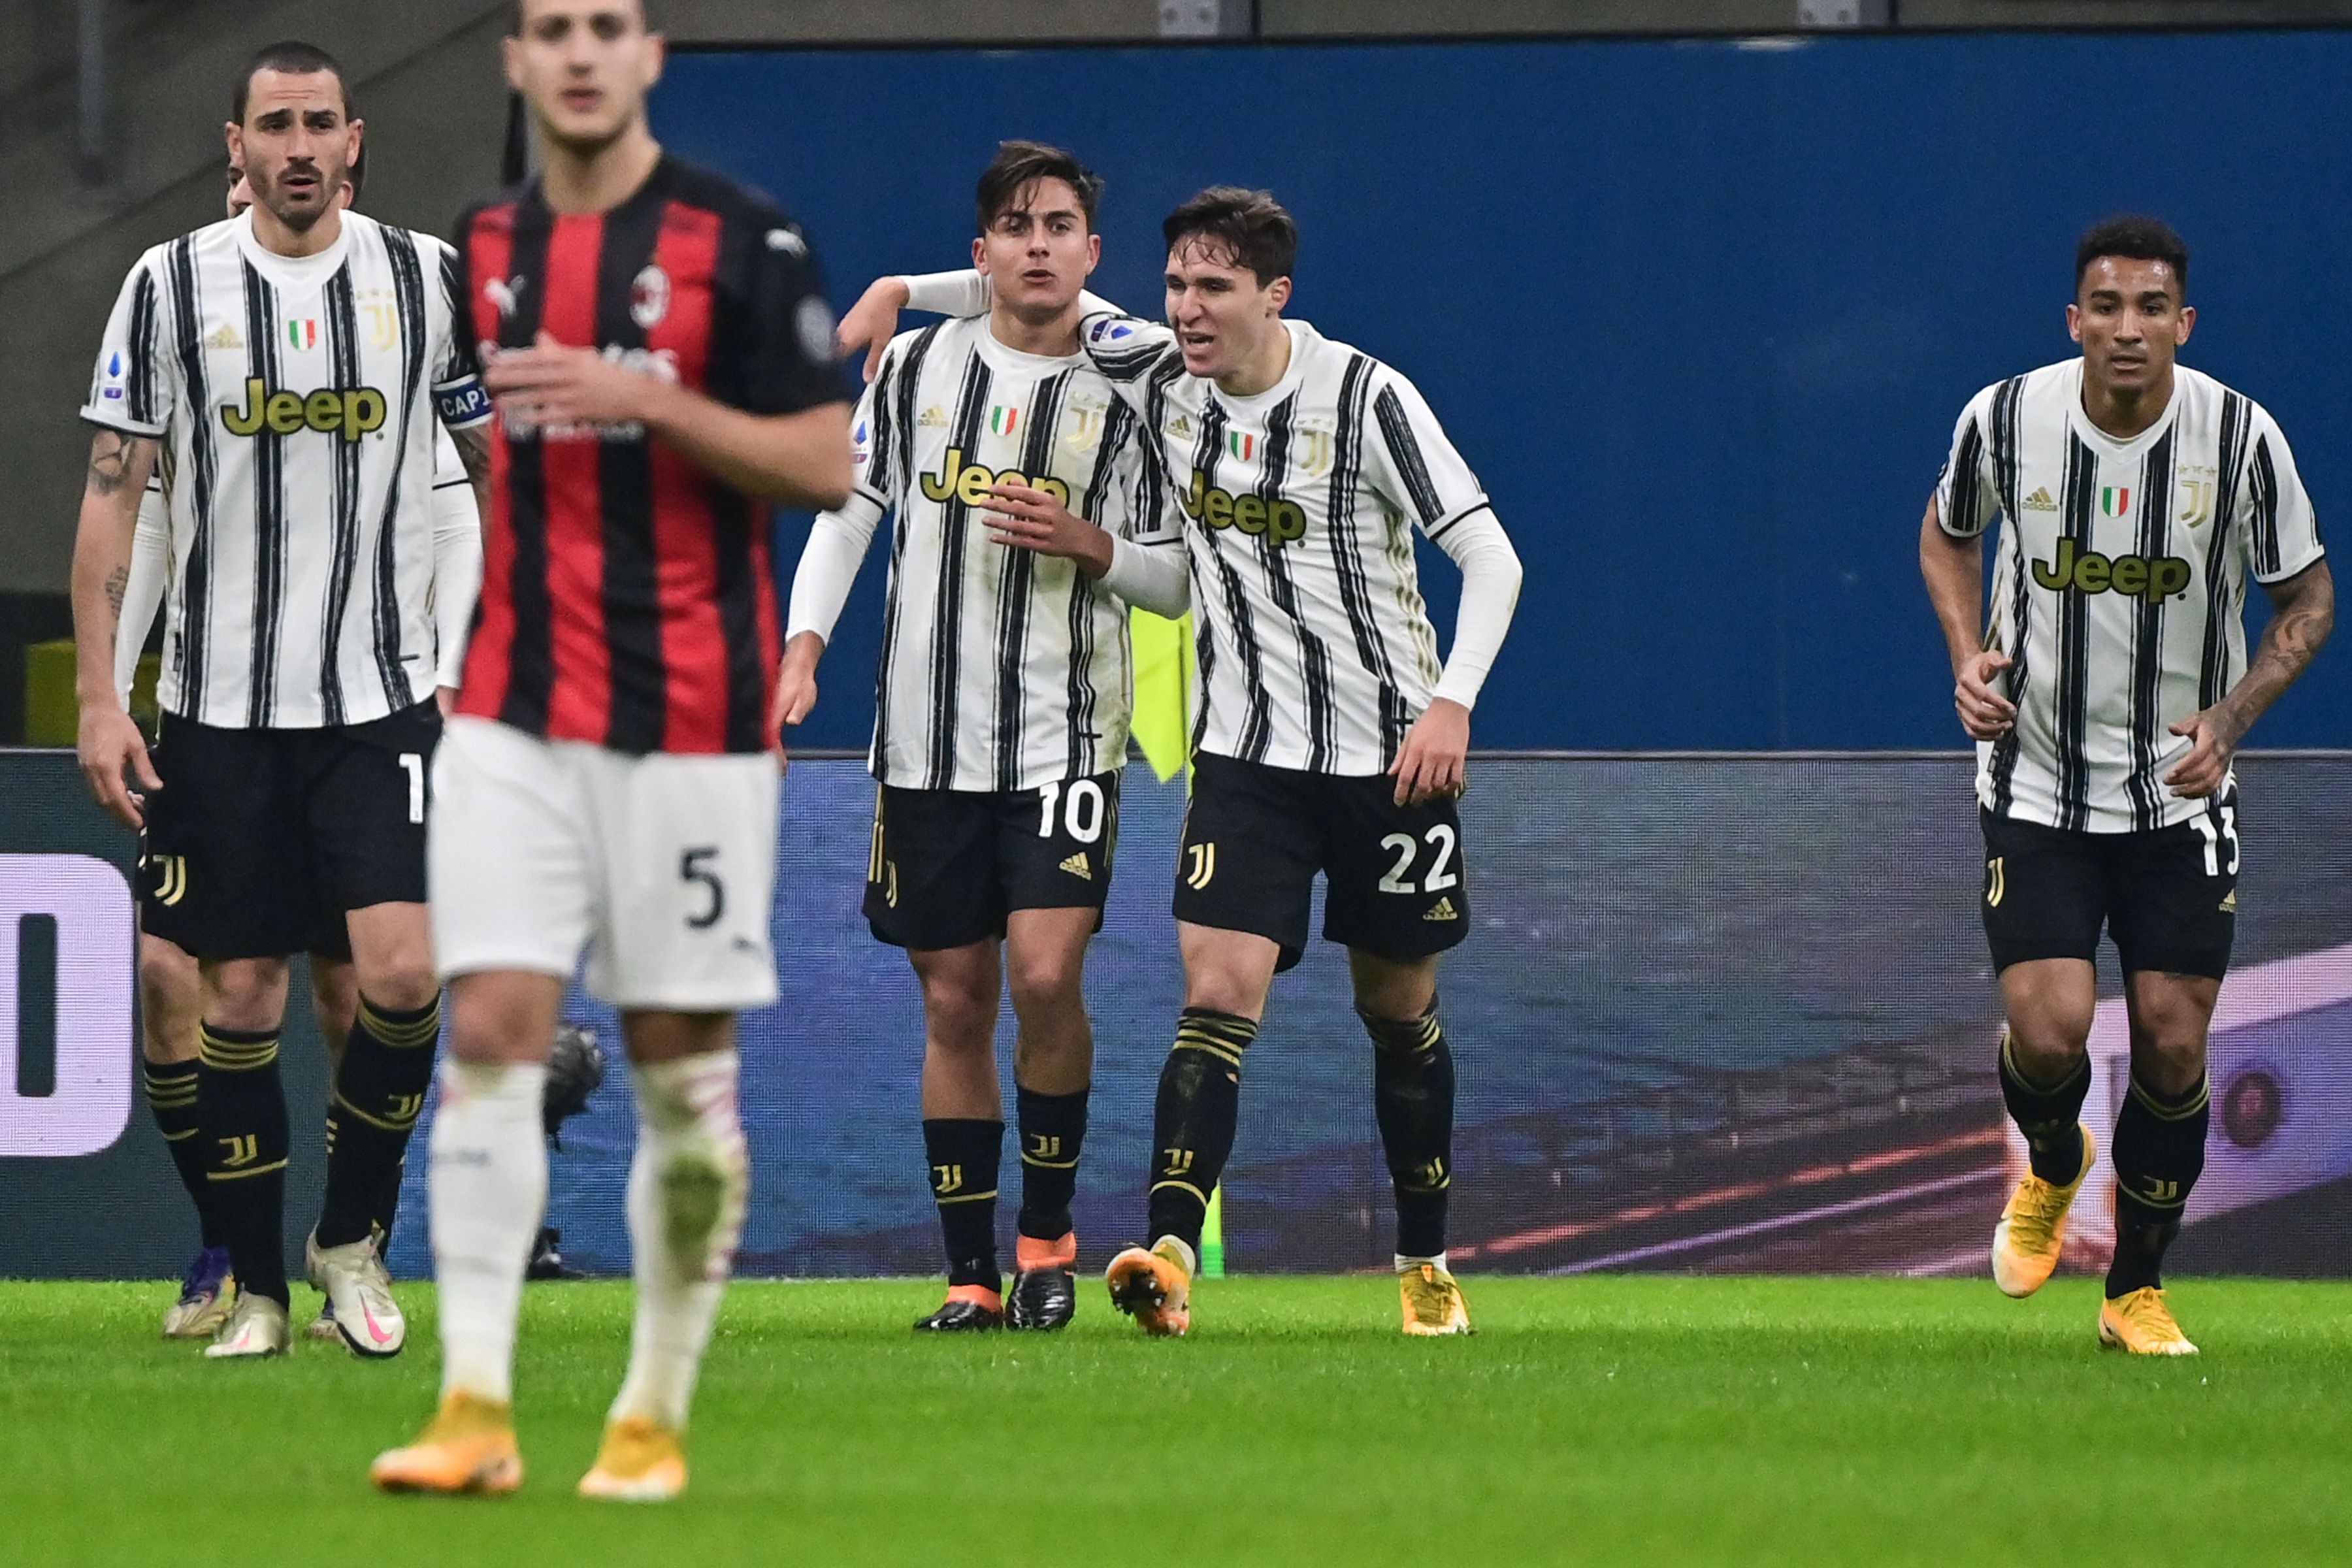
column 1442, row 909
column 1077, row 866
column 932, row 418
column 225, row 338
column 2040, row 501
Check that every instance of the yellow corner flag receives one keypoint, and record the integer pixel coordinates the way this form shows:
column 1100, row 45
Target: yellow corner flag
column 1164, row 674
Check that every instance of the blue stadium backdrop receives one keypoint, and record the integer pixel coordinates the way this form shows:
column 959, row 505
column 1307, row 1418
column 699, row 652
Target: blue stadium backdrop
column 1702, row 315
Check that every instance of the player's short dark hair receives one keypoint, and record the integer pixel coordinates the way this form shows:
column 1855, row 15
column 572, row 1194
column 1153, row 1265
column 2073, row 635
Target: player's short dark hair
column 644, row 9
column 1250, row 226
column 295, row 57
column 2139, row 238
column 1021, row 164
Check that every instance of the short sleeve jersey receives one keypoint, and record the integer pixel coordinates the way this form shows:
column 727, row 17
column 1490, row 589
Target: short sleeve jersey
column 2119, row 584
column 296, row 400
column 627, row 594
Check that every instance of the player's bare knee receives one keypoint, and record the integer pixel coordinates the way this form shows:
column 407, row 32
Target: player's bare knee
column 245, row 993
column 1392, row 990
column 491, row 1023
column 1046, row 988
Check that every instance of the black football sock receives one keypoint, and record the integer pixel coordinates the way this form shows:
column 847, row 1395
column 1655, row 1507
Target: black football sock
column 172, row 1098
column 1412, row 1098
column 1192, row 1122
column 964, row 1154
column 2159, row 1153
column 241, row 1123
column 1053, row 1130
column 2050, row 1115
column 379, row 1087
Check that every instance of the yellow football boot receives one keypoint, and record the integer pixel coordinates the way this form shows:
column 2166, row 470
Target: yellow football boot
column 2139, row 1322
column 467, row 1447
column 2032, row 1229
column 641, row 1461
column 1154, row 1287
column 1433, row 1306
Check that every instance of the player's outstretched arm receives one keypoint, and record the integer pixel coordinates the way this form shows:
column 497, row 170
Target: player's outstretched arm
column 1953, row 569
column 2302, row 612
column 108, row 742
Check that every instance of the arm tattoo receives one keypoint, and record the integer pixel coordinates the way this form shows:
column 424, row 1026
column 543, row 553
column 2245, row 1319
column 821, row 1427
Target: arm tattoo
column 116, row 586
column 474, row 452
column 110, row 461
column 2303, row 614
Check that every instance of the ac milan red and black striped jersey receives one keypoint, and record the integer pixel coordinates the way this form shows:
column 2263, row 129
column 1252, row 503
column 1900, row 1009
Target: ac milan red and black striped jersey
column 627, row 594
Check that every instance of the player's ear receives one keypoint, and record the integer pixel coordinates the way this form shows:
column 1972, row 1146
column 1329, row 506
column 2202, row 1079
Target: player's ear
column 657, row 56
column 352, row 148
column 510, row 58
column 1277, row 293
column 234, row 134
column 2074, row 323
column 1094, row 253
column 980, row 252
column 2188, row 324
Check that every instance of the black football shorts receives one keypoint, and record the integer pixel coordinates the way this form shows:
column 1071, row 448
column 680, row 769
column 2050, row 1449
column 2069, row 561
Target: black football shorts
column 1256, row 836
column 948, row 866
column 2168, row 897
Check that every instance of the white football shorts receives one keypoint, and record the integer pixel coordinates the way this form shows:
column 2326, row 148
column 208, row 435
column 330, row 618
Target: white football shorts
column 662, row 866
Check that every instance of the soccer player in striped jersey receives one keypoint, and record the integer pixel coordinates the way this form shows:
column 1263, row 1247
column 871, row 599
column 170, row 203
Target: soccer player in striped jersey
column 2135, row 498
column 288, row 369
column 1329, row 739
column 170, row 998
column 1001, row 710
column 660, row 355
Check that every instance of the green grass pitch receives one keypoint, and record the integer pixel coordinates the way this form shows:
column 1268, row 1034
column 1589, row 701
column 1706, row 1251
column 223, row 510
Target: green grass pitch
column 1599, row 1420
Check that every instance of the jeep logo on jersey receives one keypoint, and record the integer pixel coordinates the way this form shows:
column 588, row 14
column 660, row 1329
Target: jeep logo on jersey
column 2091, row 572
column 971, row 482
column 353, row 410
column 1280, row 520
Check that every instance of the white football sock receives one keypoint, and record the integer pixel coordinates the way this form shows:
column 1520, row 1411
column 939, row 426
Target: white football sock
column 1405, row 1264
column 487, row 1187
column 689, row 1186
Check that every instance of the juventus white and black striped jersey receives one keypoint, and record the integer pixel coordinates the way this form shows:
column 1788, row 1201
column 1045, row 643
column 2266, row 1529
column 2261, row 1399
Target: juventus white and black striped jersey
column 1002, row 668
column 296, row 400
column 457, row 570
column 2119, row 584
column 1316, row 649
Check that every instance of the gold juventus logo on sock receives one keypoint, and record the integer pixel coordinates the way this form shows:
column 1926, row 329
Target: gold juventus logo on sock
column 1180, row 1163
column 1996, row 881
column 404, row 1107
column 946, row 1179
column 1044, row 1146
column 1201, row 860
column 2162, row 1191
column 242, row 1151
column 171, row 878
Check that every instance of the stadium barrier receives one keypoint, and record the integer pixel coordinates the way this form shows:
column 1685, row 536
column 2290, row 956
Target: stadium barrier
column 1719, row 1013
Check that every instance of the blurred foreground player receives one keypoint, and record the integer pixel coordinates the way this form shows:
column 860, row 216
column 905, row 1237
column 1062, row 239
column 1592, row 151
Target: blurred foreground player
column 1002, row 707
column 2106, row 699
column 661, row 359
column 287, row 787
column 170, row 985
column 1329, row 739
